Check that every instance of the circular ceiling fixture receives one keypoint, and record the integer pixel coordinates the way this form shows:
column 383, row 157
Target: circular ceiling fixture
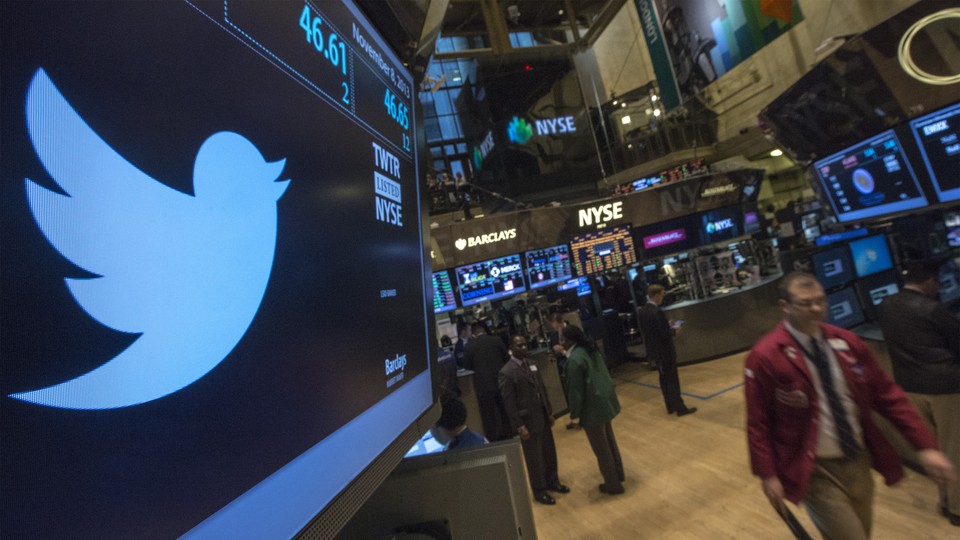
column 906, row 60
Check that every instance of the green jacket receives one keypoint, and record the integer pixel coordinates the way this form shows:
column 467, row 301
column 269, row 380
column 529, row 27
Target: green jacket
column 590, row 393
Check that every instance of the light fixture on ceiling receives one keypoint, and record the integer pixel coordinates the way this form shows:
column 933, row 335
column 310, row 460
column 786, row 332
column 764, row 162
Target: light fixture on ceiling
column 776, row 152
column 656, row 112
column 654, row 97
column 625, row 120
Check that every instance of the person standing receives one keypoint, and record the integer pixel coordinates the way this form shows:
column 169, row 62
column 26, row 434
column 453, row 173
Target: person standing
column 658, row 338
column 525, row 399
column 924, row 343
column 485, row 355
column 810, row 389
column 593, row 404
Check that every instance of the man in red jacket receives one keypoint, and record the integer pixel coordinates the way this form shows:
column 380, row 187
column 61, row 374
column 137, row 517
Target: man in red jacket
column 810, row 389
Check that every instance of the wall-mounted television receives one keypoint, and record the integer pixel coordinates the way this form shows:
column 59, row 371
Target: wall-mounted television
column 833, row 267
column 871, row 255
column 938, row 136
column 443, row 298
column 870, row 179
column 873, row 289
column 843, row 308
column 602, row 250
column 194, row 192
column 547, row 266
column 489, row 280
column 667, row 237
column 719, row 224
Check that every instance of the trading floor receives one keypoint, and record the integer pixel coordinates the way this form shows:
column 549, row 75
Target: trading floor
column 689, row 478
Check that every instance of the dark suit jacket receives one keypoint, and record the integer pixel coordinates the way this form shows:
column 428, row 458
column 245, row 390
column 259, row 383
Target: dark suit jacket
column 524, row 397
column 657, row 335
column 924, row 342
column 485, row 355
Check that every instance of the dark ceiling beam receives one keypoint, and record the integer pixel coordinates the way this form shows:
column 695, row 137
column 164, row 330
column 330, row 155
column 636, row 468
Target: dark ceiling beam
column 607, row 14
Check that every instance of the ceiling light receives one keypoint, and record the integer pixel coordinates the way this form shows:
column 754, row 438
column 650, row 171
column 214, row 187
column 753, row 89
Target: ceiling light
column 624, row 104
column 656, row 112
column 625, row 119
column 653, row 97
column 776, row 152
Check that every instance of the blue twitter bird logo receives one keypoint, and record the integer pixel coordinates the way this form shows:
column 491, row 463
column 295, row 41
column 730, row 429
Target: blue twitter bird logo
column 187, row 273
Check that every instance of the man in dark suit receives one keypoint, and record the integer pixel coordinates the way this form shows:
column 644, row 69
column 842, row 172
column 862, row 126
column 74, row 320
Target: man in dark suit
column 658, row 337
column 924, row 342
column 525, row 398
column 485, row 355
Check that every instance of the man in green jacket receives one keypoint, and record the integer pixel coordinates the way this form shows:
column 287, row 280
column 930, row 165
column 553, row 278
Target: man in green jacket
column 593, row 404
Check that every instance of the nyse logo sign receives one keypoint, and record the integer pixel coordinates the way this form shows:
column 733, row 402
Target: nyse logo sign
column 481, row 239
column 519, row 130
column 388, row 198
column 717, row 226
column 596, row 215
column 556, row 126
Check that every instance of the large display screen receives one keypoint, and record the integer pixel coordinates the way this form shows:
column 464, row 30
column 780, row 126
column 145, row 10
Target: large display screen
column 547, row 266
column 602, row 250
column 207, row 209
column 489, row 280
column 443, row 298
column 719, row 224
column 870, row 179
column 938, row 136
column 871, row 255
column 667, row 237
column 843, row 309
column 833, row 267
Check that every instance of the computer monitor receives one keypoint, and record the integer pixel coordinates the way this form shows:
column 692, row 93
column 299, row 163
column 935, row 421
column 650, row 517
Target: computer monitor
column 489, row 280
column 871, row 255
column 873, row 289
column 949, row 282
column 870, row 179
column 580, row 284
column 443, row 298
column 719, row 224
column 952, row 222
column 843, row 308
column 547, row 266
column 195, row 194
column 833, row 238
column 602, row 250
column 833, row 267
column 938, row 136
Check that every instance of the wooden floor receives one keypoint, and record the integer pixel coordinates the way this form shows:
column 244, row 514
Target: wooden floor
column 689, row 478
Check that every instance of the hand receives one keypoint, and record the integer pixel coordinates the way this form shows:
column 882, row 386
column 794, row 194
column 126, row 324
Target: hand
column 558, row 349
column 524, row 434
column 773, row 489
column 938, row 467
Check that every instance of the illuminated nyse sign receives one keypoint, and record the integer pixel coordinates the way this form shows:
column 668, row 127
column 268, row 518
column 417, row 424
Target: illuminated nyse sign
column 597, row 215
column 519, row 130
column 481, row 239
column 721, row 225
column 481, row 152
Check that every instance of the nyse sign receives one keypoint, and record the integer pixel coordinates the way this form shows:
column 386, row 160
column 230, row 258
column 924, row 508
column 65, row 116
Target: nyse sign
column 600, row 214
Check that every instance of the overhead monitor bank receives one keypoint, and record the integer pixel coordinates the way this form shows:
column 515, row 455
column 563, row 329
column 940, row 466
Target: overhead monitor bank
column 194, row 193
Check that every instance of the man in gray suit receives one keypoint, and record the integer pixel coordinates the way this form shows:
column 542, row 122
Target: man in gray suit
column 525, row 399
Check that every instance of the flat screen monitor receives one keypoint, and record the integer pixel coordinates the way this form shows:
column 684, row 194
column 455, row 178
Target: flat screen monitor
column 719, row 224
column 193, row 193
column 870, row 179
column 602, row 250
column 949, row 282
column 871, row 255
column 833, row 238
column 443, row 297
column 667, row 237
column 833, row 267
column 580, row 284
column 843, row 309
column 875, row 288
column 644, row 183
column 547, row 266
column 490, row 280
column 938, row 136
column 952, row 222
column 751, row 222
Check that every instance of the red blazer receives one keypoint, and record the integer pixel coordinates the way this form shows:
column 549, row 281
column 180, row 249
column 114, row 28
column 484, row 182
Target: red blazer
column 783, row 438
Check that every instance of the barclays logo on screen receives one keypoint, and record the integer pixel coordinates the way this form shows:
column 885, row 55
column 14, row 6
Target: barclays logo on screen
column 186, row 273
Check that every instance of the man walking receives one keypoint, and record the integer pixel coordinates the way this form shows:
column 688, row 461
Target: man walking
column 810, row 390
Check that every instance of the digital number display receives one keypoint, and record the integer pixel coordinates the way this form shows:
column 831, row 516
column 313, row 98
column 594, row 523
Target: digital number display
column 490, row 280
column 938, row 136
column 443, row 299
column 547, row 266
column 602, row 250
column 870, row 179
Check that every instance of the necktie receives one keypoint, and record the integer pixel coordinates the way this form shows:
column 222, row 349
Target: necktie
column 848, row 443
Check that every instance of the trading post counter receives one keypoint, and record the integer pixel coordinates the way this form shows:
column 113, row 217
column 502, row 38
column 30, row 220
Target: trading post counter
column 727, row 323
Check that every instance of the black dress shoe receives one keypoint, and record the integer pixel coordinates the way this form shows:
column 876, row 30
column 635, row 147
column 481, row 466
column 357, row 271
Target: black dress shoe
column 545, row 498
column 604, row 489
column 571, row 425
column 558, row 488
column 688, row 410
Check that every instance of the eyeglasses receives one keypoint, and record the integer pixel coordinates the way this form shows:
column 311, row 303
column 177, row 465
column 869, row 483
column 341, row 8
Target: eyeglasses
column 807, row 304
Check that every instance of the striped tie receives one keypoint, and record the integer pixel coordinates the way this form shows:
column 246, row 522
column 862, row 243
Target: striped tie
column 848, row 443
